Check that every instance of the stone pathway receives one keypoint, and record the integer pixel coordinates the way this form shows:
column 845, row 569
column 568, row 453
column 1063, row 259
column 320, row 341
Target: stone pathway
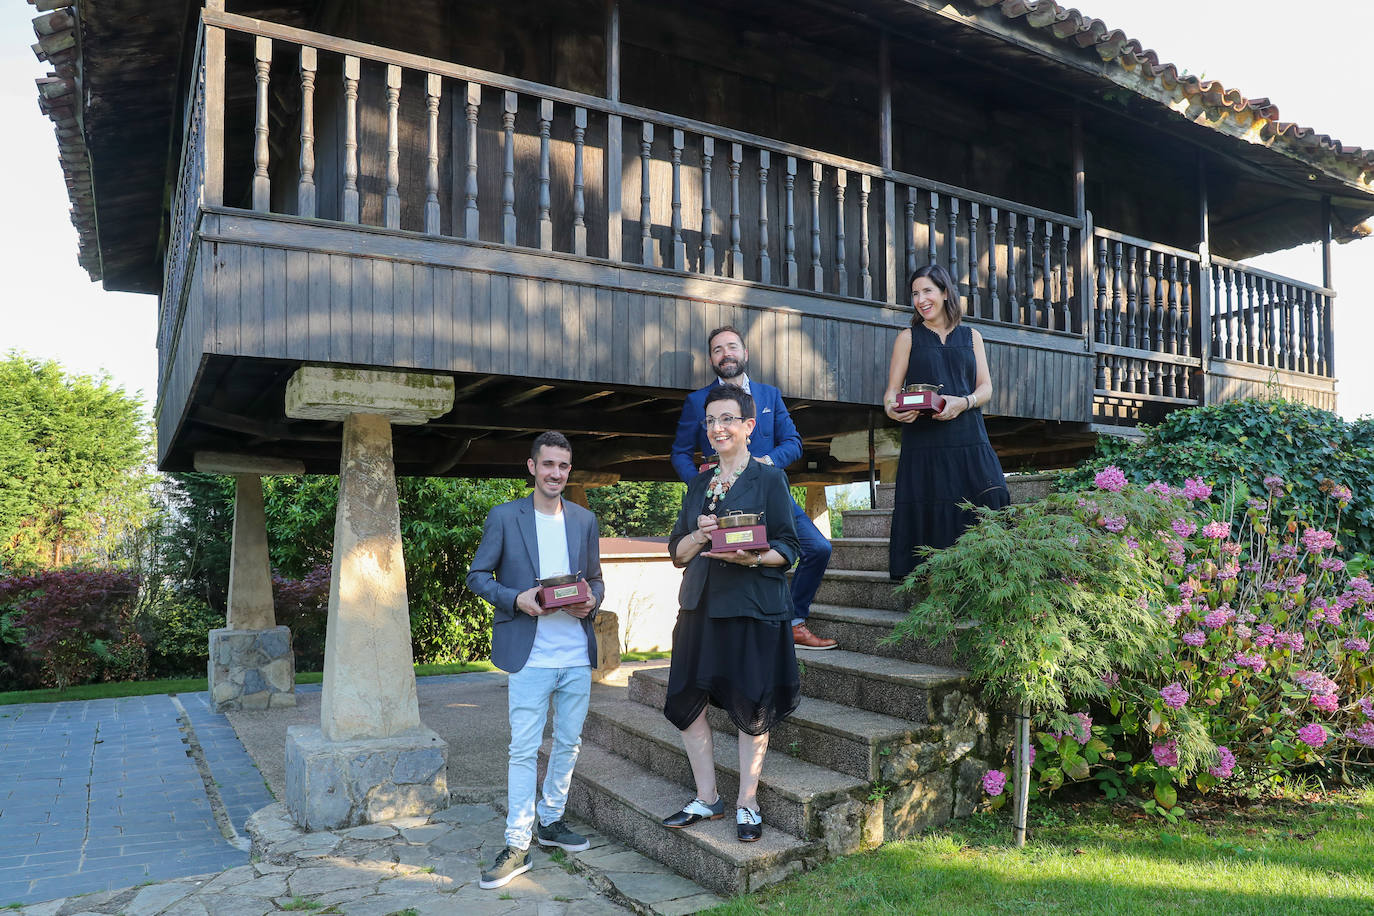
column 103, row 794
column 411, row 866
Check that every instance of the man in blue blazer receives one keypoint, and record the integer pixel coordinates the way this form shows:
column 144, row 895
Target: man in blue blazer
column 549, row 653
column 775, row 441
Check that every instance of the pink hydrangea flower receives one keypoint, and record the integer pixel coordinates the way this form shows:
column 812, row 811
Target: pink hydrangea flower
column 1216, row 530
column 1194, row 638
column 1356, row 644
column 1196, row 488
column 1226, row 762
column 1333, row 565
column 1360, row 588
column 1312, row 734
column 1274, row 484
column 1183, row 527
column 1218, row 618
column 1363, row 736
column 1316, row 540
column 1132, row 543
column 1110, row 479
column 1294, row 641
column 1254, row 662
column 1367, row 707
column 1174, row 696
column 994, row 781
column 1326, row 702
column 1166, row 753
column 1159, row 488
column 1113, row 523
column 1341, row 494
column 1314, row 682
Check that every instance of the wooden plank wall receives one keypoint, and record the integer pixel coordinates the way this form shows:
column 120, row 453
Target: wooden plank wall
column 179, row 367
column 1228, row 380
column 282, row 290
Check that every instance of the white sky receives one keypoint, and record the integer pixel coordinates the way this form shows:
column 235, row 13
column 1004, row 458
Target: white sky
column 1310, row 58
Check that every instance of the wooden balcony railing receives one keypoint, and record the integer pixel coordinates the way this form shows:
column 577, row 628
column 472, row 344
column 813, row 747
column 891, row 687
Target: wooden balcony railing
column 412, row 143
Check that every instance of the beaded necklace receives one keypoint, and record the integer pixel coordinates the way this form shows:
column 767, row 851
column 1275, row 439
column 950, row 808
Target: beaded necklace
column 720, row 484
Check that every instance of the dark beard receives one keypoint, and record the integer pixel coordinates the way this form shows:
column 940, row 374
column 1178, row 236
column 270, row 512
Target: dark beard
column 736, row 371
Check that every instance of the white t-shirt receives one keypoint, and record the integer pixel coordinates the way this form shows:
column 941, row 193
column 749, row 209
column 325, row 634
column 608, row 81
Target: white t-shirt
column 559, row 640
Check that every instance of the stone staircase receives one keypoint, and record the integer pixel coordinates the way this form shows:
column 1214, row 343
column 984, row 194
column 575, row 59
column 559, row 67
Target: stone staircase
column 887, row 742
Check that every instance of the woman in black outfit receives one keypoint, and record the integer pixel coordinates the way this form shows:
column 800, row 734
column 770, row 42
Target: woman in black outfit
column 946, row 459
column 732, row 646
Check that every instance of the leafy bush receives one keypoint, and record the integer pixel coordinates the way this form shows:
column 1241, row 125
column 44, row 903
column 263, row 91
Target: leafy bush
column 176, row 629
column 303, row 605
column 1251, row 439
column 71, row 617
column 1265, row 665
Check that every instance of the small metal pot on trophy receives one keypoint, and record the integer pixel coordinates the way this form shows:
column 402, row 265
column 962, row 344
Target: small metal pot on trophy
column 739, row 531
column 919, row 397
column 561, row 591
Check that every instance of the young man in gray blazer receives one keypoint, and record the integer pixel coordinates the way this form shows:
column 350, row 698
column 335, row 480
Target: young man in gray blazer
column 549, row 653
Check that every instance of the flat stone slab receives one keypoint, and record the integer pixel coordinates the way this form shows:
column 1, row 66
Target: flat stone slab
column 404, row 398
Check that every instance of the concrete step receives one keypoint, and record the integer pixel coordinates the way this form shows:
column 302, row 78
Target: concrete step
column 867, row 523
column 860, row 588
column 628, row 802
column 799, row 798
column 862, row 629
column 858, row 553
column 839, row 738
column 892, row 686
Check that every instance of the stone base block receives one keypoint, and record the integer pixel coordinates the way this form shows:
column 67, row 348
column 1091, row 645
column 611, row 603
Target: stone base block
column 252, row 669
column 334, row 784
column 606, row 625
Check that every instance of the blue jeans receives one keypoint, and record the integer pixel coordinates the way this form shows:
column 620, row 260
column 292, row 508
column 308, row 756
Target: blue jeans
column 815, row 557
column 530, row 690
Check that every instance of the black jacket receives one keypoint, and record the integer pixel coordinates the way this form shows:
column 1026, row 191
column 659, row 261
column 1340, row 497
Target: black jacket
column 728, row 589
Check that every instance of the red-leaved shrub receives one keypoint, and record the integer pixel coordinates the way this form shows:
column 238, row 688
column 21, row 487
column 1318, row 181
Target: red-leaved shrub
column 68, row 617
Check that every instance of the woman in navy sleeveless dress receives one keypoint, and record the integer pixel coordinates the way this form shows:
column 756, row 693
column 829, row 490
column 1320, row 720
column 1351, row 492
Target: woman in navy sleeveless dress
column 946, row 458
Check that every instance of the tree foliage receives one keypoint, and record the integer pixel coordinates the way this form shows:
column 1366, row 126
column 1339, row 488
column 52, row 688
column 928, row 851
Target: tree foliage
column 74, row 475
column 636, row 508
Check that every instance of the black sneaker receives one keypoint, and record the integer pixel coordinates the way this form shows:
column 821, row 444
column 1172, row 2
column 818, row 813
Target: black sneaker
column 560, row 834
column 509, row 863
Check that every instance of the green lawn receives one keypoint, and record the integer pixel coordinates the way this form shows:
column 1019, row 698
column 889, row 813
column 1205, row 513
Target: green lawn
column 1277, row 858
column 191, row 685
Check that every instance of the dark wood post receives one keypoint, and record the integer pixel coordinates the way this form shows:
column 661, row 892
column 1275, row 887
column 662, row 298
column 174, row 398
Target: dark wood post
column 213, row 166
column 890, row 222
column 1085, row 235
column 614, row 139
column 1328, row 318
column 1208, row 328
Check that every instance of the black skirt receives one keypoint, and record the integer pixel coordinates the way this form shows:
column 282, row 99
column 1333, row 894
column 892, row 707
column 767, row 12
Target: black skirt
column 744, row 665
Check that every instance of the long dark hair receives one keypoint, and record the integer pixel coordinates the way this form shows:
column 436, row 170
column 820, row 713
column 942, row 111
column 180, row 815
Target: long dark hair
column 945, row 284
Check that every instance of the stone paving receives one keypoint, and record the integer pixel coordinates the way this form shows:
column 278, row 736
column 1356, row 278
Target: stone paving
column 103, row 794
column 410, row 866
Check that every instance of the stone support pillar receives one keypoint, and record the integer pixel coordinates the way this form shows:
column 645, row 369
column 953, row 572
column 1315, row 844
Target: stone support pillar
column 848, row 448
column 817, row 509
column 251, row 664
column 371, row 758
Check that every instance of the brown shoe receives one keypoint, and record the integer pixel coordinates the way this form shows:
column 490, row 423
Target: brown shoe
column 805, row 639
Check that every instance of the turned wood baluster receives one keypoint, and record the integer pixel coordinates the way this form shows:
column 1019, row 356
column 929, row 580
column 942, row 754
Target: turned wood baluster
column 841, row 271
column 1168, row 342
column 545, row 220
column 1250, row 318
column 1118, row 289
column 579, row 181
column 305, row 190
column 474, row 101
column 1184, row 328
column 865, row 276
column 351, row 70
column 1100, row 318
column 975, row 296
column 1270, row 321
column 1324, row 338
column 952, row 239
column 1032, row 301
column 1232, row 325
column 932, row 210
column 765, row 262
column 1149, row 297
column 508, row 112
column 1132, row 340
column 391, row 210
column 817, row 272
column 434, row 85
column 1305, row 305
column 736, row 254
column 679, row 246
column 1290, row 317
column 994, row 279
column 646, row 222
column 789, row 237
column 1047, row 273
column 262, row 66
column 1065, row 312
column 708, row 251
column 1013, row 307
column 910, row 240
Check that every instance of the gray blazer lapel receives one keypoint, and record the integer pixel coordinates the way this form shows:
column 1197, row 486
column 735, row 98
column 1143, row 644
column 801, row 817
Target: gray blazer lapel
column 525, row 519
